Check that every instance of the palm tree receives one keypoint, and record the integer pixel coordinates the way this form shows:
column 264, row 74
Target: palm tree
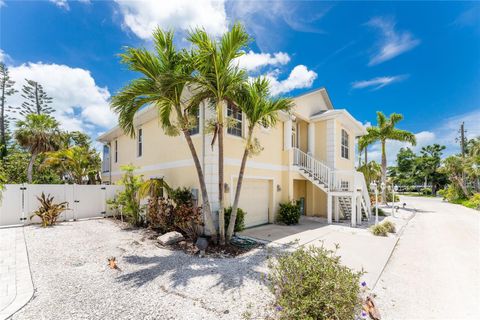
column 372, row 171
column 38, row 133
column 385, row 130
column 260, row 110
column 78, row 164
column 218, row 79
column 165, row 76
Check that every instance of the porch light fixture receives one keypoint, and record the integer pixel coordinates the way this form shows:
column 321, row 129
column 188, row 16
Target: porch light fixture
column 279, row 188
column 226, row 188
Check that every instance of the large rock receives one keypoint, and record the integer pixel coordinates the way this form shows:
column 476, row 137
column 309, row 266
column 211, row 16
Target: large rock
column 170, row 238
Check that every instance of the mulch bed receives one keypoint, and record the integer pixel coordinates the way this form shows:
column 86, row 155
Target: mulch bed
column 213, row 250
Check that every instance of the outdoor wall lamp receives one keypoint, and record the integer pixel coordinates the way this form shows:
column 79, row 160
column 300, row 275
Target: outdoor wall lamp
column 279, row 188
column 226, row 188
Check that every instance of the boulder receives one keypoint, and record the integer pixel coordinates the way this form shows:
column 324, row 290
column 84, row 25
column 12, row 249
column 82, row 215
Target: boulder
column 170, row 238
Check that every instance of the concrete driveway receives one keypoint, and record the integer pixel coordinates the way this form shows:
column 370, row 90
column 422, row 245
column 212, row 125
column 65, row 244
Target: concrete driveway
column 434, row 271
column 358, row 248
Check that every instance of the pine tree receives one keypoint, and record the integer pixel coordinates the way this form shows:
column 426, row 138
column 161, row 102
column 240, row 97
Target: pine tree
column 6, row 89
column 36, row 99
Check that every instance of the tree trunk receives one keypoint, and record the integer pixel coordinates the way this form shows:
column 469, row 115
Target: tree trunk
column 233, row 216
column 30, row 168
column 221, row 213
column 203, row 188
column 366, row 156
column 384, row 173
column 3, row 138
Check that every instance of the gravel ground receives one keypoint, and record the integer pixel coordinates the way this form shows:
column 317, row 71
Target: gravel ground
column 434, row 270
column 72, row 280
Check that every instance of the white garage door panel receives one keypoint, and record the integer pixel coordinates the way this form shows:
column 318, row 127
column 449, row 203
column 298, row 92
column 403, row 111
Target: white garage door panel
column 254, row 200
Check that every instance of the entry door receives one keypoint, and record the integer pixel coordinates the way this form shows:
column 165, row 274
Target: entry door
column 254, row 200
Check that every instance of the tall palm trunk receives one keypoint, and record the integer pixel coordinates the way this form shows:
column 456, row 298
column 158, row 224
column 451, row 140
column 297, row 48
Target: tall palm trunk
column 3, row 142
column 203, row 188
column 384, row 173
column 366, row 156
column 233, row 217
column 221, row 213
column 30, row 167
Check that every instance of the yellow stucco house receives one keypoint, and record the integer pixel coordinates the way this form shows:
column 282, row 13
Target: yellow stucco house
column 308, row 156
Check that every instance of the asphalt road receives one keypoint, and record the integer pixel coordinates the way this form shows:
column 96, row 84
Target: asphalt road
column 434, row 271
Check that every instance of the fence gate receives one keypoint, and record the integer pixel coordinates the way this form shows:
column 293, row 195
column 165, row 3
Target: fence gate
column 19, row 201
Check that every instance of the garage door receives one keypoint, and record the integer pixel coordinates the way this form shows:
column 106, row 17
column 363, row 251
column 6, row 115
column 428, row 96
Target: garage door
column 254, row 200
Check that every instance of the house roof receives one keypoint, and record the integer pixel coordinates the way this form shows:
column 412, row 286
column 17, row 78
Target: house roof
column 344, row 117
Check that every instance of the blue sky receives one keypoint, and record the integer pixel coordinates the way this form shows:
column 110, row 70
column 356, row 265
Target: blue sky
column 421, row 59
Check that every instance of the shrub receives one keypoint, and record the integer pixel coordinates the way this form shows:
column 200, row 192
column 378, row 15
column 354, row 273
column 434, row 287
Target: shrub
column 239, row 222
column 426, row 191
column 379, row 230
column 390, row 197
column 473, row 202
column 289, row 213
column 389, row 226
column 49, row 211
column 129, row 198
column 452, row 193
column 310, row 283
column 181, row 196
column 188, row 220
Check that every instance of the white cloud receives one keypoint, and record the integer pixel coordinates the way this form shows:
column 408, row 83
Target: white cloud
column 79, row 103
column 252, row 61
column 392, row 42
column 378, row 82
column 2, row 3
column 3, row 56
column 300, row 77
column 142, row 16
column 61, row 4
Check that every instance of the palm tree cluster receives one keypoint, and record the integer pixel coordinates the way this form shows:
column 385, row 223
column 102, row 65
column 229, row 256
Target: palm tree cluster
column 178, row 81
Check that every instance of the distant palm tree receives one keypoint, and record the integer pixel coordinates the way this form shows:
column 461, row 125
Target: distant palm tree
column 260, row 110
column 385, row 130
column 38, row 133
column 372, row 171
column 165, row 76
column 219, row 79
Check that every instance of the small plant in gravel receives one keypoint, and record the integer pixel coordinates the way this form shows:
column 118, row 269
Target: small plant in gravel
column 389, row 226
column 49, row 211
column 289, row 213
column 310, row 283
column 239, row 222
column 379, row 230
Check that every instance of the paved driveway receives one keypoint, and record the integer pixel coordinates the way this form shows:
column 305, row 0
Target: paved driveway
column 358, row 248
column 434, row 272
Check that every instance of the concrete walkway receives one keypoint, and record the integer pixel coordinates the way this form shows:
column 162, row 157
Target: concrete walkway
column 16, row 287
column 434, row 271
column 357, row 247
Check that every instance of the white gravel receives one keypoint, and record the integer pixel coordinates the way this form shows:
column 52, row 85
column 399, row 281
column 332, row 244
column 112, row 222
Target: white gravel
column 72, row 280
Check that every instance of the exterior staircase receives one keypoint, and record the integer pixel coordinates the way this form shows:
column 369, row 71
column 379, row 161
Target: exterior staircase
column 343, row 185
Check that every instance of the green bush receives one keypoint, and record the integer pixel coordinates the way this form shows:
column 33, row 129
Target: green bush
column 426, row 191
column 381, row 212
column 389, row 226
column 239, row 221
column 289, row 213
column 390, row 197
column 310, row 283
column 128, row 199
column 181, row 196
column 452, row 193
column 473, row 202
column 379, row 230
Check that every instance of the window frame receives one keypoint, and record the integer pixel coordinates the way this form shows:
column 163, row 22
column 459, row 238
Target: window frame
column 139, row 142
column 345, row 144
column 116, row 151
column 237, row 115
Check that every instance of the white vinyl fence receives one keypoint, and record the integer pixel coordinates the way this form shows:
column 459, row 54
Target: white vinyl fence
column 19, row 201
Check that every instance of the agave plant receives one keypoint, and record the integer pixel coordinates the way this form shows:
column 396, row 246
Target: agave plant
column 49, row 211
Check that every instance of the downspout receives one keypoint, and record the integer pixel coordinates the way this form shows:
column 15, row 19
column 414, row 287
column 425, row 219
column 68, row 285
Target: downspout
column 110, row 162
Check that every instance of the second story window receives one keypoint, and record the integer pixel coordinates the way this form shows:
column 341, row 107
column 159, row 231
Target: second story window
column 106, row 159
column 116, row 151
column 196, row 129
column 344, row 147
column 236, row 115
column 140, row 142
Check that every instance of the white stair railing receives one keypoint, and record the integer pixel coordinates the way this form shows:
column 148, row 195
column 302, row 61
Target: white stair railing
column 315, row 168
column 362, row 184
